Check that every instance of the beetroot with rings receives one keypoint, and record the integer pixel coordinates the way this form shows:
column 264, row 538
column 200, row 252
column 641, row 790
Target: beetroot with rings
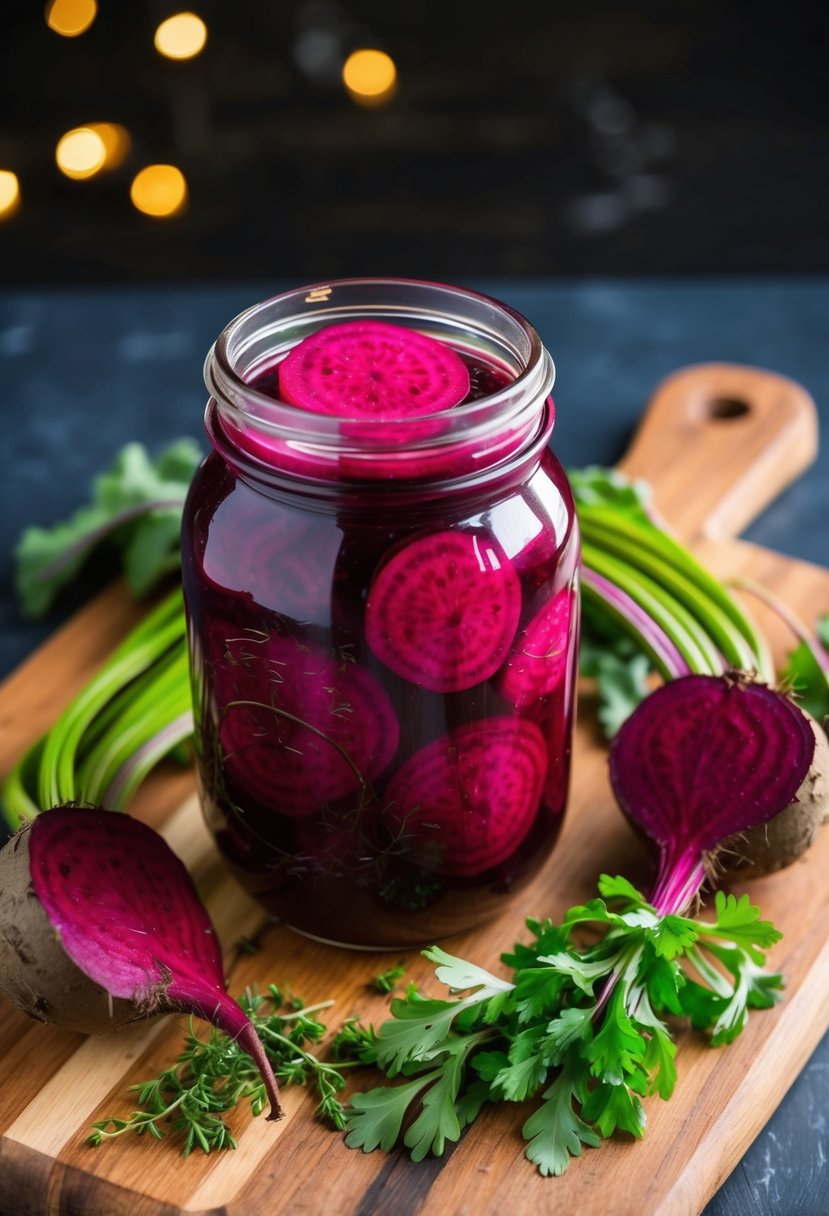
column 537, row 664
column 700, row 760
column 298, row 728
column 372, row 369
column 465, row 802
column 442, row 610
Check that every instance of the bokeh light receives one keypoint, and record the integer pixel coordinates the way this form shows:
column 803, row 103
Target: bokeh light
column 80, row 153
column 369, row 76
column 71, row 17
column 9, row 194
column 116, row 141
column 181, row 36
column 159, row 190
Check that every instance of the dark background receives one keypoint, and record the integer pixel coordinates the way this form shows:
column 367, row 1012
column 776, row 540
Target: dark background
column 532, row 139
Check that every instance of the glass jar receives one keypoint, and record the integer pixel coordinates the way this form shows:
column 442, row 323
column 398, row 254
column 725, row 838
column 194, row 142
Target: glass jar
column 383, row 623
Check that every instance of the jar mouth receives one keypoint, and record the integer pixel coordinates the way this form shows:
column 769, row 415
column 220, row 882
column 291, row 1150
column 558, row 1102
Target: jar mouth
column 292, row 439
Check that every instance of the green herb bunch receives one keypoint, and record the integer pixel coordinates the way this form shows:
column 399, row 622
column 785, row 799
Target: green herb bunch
column 212, row 1076
column 583, row 1026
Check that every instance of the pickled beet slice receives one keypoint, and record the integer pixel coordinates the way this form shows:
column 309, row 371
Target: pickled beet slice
column 282, row 562
column 443, row 610
column 372, row 369
column 538, row 660
column 297, row 727
column 465, row 802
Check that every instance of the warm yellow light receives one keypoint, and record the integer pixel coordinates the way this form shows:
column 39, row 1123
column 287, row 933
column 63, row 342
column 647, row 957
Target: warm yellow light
column 80, row 153
column 116, row 141
column 181, row 36
column 71, row 17
column 9, row 193
column 159, row 190
column 369, row 76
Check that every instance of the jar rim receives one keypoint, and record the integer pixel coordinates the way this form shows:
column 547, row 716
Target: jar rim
column 250, row 341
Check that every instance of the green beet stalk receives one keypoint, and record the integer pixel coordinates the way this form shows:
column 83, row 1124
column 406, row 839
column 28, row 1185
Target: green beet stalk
column 689, row 637
column 160, row 630
column 18, row 805
column 140, row 764
column 721, row 628
column 47, row 774
column 656, row 553
column 164, row 699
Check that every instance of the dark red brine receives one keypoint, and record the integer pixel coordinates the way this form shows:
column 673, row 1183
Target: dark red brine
column 380, row 567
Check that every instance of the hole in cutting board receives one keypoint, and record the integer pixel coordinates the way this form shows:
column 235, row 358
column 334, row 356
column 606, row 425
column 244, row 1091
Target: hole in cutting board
column 725, row 408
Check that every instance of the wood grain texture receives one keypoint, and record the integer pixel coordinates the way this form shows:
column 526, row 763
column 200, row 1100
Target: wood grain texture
column 52, row 1085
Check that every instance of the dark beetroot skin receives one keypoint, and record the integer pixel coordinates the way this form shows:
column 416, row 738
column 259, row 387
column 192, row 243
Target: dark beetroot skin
column 370, row 369
column 467, row 800
column 305, row 829
column 538, row 661
column 298, row 728
column 126, row 914
column 442, row 610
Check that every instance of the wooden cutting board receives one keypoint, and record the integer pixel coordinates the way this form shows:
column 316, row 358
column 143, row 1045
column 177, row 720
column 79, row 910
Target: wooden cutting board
column 717, row 444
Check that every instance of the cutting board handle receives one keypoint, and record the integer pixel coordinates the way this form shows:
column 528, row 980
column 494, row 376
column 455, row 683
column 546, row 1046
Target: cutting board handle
column 718, row 442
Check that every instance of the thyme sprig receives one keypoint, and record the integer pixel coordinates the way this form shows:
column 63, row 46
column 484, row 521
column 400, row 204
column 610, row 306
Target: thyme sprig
column 212, row 1076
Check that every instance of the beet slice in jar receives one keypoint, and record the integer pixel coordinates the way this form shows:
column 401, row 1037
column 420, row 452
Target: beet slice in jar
column 299, row 728
column 372, row 369
column 466, row 801
column 442, row 610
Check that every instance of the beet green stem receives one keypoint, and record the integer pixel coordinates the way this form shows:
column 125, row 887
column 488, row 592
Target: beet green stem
column 161, row 629
column 632, row 617
column 690, row 639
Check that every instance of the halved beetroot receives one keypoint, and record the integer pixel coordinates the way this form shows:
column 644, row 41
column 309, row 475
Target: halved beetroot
column 372, row 369
column 443, row 610
column 538, row 661
column 465, row 802
column 298, row 728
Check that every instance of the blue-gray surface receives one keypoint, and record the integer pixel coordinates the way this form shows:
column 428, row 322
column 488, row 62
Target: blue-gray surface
column 82, row 372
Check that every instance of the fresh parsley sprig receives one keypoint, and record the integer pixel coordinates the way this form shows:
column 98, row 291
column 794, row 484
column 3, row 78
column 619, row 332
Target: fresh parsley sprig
column 581, row 1025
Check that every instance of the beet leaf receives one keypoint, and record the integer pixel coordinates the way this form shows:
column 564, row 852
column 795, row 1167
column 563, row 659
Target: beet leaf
column 137, row 504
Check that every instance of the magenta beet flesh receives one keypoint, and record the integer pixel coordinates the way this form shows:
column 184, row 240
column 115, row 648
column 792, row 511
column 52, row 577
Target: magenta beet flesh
column 371, row 369
column 299, row 728
column 129, row 918
column 538, row 660
column 285, row 564
column 468, row 800
column 703, row 758
column 443, row 610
